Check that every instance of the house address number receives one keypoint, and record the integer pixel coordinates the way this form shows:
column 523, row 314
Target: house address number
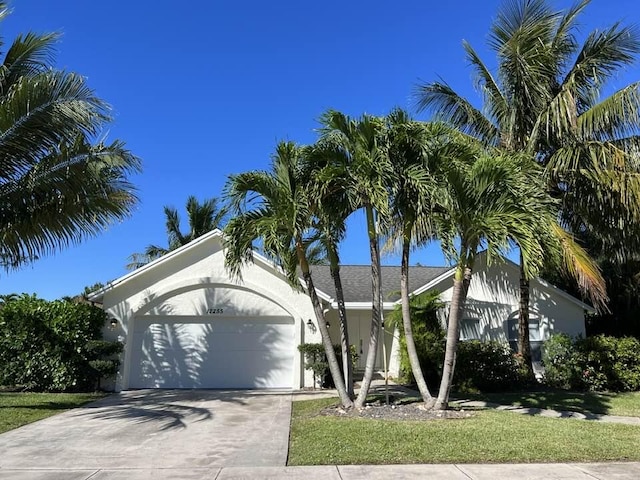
column 215, row 311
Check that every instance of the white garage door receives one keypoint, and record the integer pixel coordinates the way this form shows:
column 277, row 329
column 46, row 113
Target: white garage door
column 201, row 352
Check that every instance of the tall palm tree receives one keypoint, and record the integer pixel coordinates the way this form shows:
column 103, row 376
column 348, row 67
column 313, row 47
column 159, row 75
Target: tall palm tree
column 58, row 184
column 331, row 216
column 492, row 203
column 330, row 209
column 418, row 153
column 274, row 207
column 361, row 172
column 545, row 101
column 202, row 217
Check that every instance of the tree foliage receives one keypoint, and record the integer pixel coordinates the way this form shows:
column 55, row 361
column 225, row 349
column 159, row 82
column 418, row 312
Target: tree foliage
column 202, row 218
column 60, row 182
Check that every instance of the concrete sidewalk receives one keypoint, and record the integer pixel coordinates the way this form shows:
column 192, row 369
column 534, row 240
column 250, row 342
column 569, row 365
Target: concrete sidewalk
column 547, row 471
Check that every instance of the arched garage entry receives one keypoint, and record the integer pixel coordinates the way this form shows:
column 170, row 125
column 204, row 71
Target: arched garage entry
column 212, row 336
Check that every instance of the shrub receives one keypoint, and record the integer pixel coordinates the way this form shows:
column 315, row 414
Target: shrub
column 594, row 363
column 487, row 366
column 561, row 369
column 48, row 346
column 315, row 360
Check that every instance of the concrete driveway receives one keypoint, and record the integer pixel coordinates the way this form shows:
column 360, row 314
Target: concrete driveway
column 156, row 429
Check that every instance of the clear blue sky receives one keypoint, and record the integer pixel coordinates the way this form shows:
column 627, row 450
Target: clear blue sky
column 202, row 89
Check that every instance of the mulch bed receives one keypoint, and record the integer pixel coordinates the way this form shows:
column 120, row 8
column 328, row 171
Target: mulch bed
column 396, row 411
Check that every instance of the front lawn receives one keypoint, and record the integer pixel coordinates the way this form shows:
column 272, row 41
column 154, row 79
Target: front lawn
column 17, row 409
column 627, row 404
column 487, row 437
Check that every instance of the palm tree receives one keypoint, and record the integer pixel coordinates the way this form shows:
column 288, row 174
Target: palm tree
column 331, row 216
column 274, row 207
column 418, row 152
column 330, row 209
column 545, row 101
column 203, row 218
column 492, row 203
column 361, row 173
column 58, row 184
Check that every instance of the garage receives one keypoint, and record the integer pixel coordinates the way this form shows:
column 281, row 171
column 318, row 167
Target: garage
column 204, row 352
column 185, row 321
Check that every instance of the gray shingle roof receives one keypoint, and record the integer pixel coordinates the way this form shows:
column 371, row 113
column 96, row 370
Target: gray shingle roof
column 356, row 281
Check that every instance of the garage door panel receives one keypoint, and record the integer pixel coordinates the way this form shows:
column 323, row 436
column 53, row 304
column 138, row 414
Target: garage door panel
column 218, row 353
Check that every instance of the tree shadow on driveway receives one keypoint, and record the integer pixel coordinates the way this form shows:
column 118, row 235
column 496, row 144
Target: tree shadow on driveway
column 166, row 409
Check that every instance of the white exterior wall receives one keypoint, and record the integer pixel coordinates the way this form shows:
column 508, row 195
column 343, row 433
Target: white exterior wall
column 494, row 298
column 359, row 322
column 193, row 282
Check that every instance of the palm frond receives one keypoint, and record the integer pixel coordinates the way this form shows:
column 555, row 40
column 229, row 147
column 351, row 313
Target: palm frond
column 74, row 192
column 27, row 56
column 41, row 112
column 615, row 117
column 602, row 55
column 495, row 104
column 446, row 105
column 582, row 268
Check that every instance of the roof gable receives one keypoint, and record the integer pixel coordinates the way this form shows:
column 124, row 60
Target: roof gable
column 210, row 237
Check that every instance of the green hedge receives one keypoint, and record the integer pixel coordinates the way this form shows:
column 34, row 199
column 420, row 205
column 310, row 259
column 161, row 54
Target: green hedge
column 595, row 363
column 54, row 346
column 488, row 366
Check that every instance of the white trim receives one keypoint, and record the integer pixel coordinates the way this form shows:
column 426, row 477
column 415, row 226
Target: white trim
column 95, row 296
column 430, row 284
column 364, row 305
column 98, row 294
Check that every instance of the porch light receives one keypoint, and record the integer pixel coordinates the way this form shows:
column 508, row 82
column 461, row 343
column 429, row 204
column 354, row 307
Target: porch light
column 113, row 324
column 310, row 324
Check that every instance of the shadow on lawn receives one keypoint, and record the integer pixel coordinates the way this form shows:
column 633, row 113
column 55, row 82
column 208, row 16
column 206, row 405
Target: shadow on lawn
column 38, row 404
column 583, row 402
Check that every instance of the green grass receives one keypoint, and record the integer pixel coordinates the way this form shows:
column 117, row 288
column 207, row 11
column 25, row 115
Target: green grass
column 488, row 437
column 17, row 409
column 626, row 404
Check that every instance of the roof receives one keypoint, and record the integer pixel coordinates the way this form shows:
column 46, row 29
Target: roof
column 356, row 280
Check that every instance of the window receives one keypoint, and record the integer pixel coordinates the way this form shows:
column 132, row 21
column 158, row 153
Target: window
column 535, row 334
column 470, row 329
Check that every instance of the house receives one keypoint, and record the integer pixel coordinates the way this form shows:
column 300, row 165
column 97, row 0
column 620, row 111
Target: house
column 186, row 323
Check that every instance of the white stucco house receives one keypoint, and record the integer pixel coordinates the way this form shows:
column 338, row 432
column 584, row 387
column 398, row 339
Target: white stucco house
column 186, row 323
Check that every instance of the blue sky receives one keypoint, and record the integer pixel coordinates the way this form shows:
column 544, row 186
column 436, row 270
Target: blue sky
column 202, row 89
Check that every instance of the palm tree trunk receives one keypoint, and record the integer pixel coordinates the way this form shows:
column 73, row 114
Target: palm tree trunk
column 376, row 310
column 416, row 369
column 456, row 309
column 334, row 367
column 347, row 365
column 524, row 344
